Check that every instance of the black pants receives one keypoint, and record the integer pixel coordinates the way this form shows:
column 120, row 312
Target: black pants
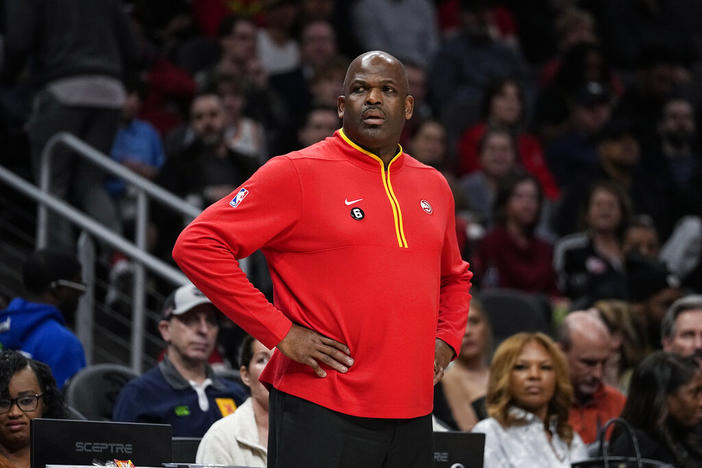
column 304, row 434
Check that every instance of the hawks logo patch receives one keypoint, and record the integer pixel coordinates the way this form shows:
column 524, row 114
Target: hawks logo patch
column 426, row 206
column 239, row 198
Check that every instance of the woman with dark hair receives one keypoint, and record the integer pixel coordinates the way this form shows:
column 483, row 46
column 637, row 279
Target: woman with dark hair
column 590, row 263
column 503, row 107
column 242, row 437
column 27, row 391
column 528, row 399
column 459, row 398
column 664, row 407
column 511, row 255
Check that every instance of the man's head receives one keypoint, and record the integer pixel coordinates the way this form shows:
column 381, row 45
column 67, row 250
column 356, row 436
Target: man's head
column 591, row 107
column 617, row 145
column 237, row 37
column 584, row 338
column 189, row 326
column 317, row 43
column 681, row 329
column 677, row 126
column 207, row 118
column 320, row 122
column 376, row 102
column 54, row 277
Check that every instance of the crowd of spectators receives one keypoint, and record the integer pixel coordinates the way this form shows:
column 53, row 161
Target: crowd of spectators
column 568, row 131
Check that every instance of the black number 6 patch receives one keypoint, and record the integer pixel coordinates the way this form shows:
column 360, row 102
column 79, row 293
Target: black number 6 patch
column 357, row 214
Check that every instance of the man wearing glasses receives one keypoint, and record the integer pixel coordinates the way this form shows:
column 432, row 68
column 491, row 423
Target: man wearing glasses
column 37, row 324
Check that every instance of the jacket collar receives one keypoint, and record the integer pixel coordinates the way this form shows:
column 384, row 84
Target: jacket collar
column 363, row 156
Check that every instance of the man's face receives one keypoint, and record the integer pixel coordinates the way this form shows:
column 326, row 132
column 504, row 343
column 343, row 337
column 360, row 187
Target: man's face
column 207, row 118
column 586, row 359
column 678, row 122
column 376, row 102
column 240, row 45
column 317, row 44
column 321, row 123
column 192, row 335
column 687, row 337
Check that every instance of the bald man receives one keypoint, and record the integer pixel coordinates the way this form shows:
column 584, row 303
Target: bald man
column 585, row 340
column 371, row 293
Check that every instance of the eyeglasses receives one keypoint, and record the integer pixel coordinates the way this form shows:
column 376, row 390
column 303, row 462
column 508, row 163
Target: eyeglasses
column 80, row 287
column 24, row 402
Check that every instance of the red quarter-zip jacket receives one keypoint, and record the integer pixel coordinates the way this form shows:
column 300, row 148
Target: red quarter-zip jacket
column 363, row 255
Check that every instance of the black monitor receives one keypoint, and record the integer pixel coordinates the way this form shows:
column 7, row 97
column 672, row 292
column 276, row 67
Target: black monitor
column 458, row 449
column 184, row 449
column 74, row 442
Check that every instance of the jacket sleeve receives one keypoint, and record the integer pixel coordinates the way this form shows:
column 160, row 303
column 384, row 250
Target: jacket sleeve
column 454, row 300
column 268, row 206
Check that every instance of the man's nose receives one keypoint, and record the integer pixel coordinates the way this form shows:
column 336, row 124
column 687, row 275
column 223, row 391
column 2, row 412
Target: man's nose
column 374, row 96
column 598, row 370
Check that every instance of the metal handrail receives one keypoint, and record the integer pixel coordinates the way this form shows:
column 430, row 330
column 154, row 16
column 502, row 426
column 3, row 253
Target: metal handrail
column 91, row 226
column 115, row 168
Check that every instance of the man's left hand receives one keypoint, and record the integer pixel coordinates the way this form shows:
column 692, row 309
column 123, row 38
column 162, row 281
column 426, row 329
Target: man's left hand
column 443, row 354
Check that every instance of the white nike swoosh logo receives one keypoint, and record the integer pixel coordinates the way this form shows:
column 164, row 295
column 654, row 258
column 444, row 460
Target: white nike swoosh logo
column 352, row 201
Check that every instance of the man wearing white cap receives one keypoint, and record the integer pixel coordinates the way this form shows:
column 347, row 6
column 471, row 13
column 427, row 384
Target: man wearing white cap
column 182, row 390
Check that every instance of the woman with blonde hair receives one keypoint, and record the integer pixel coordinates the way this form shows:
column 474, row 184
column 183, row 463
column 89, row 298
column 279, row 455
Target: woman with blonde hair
column 528, row 399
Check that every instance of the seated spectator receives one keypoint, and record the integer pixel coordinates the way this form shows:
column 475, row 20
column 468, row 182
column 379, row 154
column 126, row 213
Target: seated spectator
column 319, row 123
column 528, row 399
column 203, row 169
column 455, row 82
column 37, row 324
column 182, row 390
column 590, row 264
column 664, row 407
column 652, row 290
column 27, row 391
column 681, row 329
column 278, row 50
column 583, row 80
column 503, row 107
column 459, row 398
column 137, row 146
column 628, row 345
column 617, row 160
column 511, row 255
column 575, row 149
column 242, row 438
column 585, row 341
column 573, row 26
column 243, row 135
column 641, row 237
column 498, row 153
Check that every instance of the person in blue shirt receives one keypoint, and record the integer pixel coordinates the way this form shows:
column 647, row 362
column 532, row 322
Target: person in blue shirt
column 182, row 390
column 137, row 145
column 37, row 323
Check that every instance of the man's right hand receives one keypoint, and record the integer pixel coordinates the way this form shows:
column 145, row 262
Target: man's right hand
column 308, row 347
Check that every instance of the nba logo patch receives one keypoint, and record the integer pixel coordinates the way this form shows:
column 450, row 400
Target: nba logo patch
column 239, row 198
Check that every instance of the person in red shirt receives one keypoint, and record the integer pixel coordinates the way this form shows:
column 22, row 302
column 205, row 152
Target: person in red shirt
column 585, row 340
column 371, row 293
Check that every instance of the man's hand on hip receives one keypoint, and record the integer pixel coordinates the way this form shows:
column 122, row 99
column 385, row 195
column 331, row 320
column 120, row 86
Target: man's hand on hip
column 309, row 347
column 443, row 354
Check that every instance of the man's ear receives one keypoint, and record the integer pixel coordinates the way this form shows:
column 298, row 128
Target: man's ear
column 409, row 106
column 165, row 328
column 340, row 105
